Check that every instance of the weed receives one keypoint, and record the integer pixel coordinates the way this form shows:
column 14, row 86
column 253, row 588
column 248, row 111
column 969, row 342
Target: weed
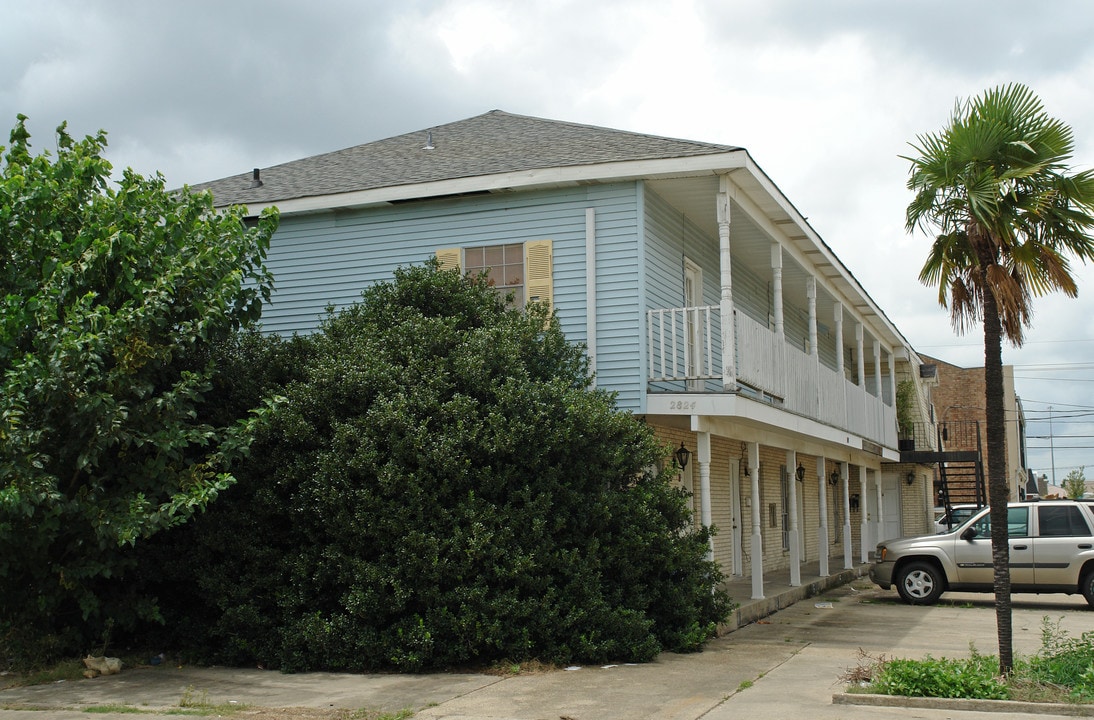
column 745, row 685
column 189, row 700
column 528, row 667
column 65, row 670
column 118, row 709
column 1062, row 671
column 869, row 666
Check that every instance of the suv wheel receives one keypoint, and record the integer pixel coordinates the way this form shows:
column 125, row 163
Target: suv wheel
column 1086, row 587
column 920, row 583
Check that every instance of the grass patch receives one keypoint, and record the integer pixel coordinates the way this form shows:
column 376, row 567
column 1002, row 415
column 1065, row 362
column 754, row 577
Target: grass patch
column 528, row 667
column 65, row 670
column 119, row 709
column 1062, row 671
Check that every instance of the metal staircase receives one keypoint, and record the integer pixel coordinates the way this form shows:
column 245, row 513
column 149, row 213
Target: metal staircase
column 960, row 460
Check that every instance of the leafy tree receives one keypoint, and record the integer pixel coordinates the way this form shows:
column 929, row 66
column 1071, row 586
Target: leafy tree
column 111, row 295
column 1008, row 212
column 441, row 487
column 1074, row 484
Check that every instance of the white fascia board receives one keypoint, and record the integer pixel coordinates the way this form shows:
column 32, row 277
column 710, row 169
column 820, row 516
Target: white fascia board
column 525, row 180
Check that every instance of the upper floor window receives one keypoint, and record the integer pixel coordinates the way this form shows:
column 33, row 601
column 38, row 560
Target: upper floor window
column 520, row 269
column 503, row 265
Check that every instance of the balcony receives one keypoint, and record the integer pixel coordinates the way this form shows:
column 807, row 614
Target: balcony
column 685, row 355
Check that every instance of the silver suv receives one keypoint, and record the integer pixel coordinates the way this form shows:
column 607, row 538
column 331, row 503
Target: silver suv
column 1051, row 551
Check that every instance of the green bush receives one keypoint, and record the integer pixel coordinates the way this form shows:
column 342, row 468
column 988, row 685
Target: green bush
column 1063, row 670
column 1064, row 661
column 441, row 487
column 112, row 292
column 974, row 677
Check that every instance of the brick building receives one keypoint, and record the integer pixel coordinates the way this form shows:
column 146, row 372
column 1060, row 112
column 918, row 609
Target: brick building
column 958, row 401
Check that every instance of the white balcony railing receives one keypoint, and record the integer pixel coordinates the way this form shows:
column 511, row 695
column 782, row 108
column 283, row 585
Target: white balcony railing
column 682, row 344
column 684, row 348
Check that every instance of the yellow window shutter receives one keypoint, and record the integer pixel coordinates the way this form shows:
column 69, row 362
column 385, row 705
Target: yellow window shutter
column 449, row 258
column 537, row 266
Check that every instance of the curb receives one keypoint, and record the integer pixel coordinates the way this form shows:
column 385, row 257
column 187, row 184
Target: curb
column 990, row 706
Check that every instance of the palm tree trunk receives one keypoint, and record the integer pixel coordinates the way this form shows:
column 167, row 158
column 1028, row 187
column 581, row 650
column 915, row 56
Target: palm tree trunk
column 998, row 490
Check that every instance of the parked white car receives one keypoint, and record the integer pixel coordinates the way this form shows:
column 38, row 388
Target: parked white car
column 948, row 522
column 1051, row 551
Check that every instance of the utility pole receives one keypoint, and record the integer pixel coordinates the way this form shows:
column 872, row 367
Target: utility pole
column 1051, row 446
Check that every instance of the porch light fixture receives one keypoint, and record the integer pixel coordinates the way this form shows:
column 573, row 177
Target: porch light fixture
column 800, row 472
column 910, row 479
column 682, row 456
column 833, row 479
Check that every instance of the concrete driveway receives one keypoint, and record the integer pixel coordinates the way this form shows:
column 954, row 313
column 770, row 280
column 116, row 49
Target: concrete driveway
column 785, row 666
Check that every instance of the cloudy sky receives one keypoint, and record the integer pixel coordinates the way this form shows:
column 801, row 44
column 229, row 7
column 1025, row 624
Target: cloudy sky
column 825, row 94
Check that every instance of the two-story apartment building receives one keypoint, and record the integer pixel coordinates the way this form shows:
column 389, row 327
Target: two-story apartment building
column 704, row 299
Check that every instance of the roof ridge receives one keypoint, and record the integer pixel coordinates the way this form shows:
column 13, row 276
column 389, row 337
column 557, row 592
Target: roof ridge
column 490, row 143
column 617, row 131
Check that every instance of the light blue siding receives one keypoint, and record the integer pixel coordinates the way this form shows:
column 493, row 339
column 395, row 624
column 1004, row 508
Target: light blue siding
column 619, row 348
column 670, row 237
column 330, row 258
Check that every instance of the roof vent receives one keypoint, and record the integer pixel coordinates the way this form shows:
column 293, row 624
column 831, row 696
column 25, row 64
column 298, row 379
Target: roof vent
column 256, row 182
column 429, row 141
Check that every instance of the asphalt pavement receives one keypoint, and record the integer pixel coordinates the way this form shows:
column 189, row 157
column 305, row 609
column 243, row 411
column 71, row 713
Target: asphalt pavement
column 788, row 665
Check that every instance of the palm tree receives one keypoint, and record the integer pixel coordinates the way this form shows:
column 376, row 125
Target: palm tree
column 1009, row 213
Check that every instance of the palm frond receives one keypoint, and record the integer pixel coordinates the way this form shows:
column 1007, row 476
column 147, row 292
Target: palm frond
column 1008, row 212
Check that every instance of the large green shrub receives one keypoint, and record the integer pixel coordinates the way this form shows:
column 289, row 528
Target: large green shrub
column 441, row 488
column 111, row 295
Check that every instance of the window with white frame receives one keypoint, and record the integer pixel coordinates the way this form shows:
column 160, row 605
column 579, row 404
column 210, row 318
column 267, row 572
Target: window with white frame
column 503, row 266
column 522, row 270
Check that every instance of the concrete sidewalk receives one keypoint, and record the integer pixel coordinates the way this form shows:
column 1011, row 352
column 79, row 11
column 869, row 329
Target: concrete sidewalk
column 785, row 666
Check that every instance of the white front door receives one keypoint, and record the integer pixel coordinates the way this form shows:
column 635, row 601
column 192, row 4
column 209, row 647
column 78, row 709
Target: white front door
column 890, row 501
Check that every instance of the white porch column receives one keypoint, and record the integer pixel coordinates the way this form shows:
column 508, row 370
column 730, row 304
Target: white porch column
column 822, row 508
column 837, row 321
column 877, row 368
column 860, row 346
column 892, row 381
column 811, row 296
column 777, row 286
column 879, row 523
column 864, row 518
column 729, row 347
column 703, row 453
column 792, row 510
column 757, row 548
column 845, row 479
column 878, row 429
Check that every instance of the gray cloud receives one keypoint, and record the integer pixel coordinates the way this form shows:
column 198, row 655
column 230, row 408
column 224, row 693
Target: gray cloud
column 824, row 95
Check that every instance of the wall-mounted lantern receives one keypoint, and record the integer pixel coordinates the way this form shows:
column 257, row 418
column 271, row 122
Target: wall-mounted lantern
column 682, row 456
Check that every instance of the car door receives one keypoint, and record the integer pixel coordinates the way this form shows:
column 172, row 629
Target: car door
column 973, row 555
column 1062, row 533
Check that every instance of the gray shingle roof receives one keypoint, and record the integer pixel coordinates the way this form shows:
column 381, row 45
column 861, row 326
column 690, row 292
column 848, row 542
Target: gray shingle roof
column 487, row 144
